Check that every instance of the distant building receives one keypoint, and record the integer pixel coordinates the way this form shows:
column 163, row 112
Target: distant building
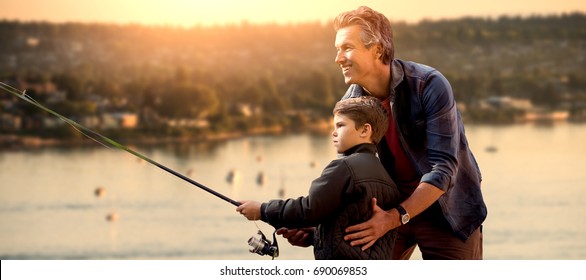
column 51, row 122
column 32, row 41
column 57, row 97
column 248, row 110
column 90, row 121
column 196, row 123
column 119, row 120
column 39, row 87
column 506, row 102
column 10, row 122
column 547, row 116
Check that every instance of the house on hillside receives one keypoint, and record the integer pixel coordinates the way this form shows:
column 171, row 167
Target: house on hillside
column 119, row 120
column 506, row 102
column 9, row 122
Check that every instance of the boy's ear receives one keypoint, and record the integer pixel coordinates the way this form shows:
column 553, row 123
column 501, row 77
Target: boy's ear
column 366, row 131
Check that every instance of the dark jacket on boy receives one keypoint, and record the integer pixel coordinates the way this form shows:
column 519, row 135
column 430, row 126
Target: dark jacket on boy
column 339, row 198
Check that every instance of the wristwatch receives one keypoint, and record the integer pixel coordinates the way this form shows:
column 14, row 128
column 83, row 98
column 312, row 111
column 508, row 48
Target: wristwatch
column 404, row 216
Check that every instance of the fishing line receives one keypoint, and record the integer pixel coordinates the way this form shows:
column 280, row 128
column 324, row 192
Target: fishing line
column 109, row 143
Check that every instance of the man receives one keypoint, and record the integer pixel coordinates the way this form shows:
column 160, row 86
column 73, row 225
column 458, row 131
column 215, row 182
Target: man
column 424, row 149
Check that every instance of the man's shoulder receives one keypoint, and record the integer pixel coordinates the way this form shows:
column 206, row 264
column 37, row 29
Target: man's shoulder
column 353, row 90
column 412, row 68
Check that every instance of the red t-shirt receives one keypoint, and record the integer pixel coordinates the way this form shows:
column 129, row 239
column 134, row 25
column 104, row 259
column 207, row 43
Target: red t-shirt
column 405, row 174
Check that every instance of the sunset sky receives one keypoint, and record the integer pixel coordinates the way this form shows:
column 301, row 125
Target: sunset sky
column 187, row 13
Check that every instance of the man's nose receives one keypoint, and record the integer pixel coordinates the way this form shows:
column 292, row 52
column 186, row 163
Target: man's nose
column 339, row 57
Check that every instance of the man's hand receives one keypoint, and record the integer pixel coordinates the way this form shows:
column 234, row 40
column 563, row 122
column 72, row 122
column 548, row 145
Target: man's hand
column 370, row 231
column 297, row 237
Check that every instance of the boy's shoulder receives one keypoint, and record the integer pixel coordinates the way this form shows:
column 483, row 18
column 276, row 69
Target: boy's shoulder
column 364, row 160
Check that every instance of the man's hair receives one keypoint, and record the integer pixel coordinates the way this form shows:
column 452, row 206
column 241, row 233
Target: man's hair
column 376, row 29
column 363, row 110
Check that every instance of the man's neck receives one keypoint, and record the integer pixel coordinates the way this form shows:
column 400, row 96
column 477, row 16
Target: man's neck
column 379, row 82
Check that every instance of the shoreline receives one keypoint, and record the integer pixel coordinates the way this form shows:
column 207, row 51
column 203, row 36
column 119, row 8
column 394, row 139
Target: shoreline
column 17, row 142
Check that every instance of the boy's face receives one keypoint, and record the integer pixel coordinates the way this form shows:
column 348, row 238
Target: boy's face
column 345, row 134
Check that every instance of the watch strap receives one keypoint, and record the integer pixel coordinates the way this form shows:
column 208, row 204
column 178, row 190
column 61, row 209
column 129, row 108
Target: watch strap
column 401, row 210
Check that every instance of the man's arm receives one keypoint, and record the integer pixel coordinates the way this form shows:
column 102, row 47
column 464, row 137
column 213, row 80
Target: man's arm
column 382, row 221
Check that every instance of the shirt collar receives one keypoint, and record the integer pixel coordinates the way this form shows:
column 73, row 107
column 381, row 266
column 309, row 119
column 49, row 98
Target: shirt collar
column 397, row 74
column 361, row 148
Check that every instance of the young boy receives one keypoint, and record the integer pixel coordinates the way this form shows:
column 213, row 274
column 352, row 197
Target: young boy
column 342, row 195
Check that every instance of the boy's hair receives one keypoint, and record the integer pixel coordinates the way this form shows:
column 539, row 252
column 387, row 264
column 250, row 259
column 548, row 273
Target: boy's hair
column 363, row 110
column 376, row 29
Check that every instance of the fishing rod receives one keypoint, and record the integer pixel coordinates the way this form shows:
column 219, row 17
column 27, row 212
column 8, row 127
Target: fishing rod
column 95, row 136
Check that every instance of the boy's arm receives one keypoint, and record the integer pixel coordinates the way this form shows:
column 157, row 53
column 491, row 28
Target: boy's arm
column 324, row 198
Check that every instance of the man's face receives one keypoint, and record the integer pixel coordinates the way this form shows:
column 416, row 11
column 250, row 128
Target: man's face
column 357, row 62
column 345, row 134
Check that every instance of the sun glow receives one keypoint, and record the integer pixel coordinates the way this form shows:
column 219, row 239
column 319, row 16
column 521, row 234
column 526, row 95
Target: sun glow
column 188, row 13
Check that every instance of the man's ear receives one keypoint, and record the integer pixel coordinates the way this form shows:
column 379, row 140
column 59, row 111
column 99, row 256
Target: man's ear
column 379, row 51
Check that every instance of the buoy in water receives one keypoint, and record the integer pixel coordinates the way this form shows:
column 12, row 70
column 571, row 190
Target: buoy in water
column 233, row 176
column 112, row 217
column 491, row 149
column 100, row 192
column 261, row 178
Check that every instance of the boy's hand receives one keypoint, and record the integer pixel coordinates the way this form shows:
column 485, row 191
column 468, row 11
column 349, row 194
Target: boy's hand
column 249, row 209
column 297, row 237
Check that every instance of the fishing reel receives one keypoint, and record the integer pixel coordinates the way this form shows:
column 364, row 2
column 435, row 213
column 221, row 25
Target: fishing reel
column 262, row 246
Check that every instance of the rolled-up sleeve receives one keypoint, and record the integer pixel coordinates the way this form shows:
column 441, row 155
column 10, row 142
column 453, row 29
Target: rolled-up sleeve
column 442, row 133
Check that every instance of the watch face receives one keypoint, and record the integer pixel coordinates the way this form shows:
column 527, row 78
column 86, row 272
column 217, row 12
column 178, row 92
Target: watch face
column 403, row 214
column 405, row 218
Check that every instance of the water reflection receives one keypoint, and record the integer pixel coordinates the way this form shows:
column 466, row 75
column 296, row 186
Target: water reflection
column 533, row 185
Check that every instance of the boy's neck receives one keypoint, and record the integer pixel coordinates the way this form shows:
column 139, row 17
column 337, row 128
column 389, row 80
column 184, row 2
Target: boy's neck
column 353, row 149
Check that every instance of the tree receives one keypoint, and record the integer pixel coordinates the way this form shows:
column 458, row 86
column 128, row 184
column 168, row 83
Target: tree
column 71, row 84
column 189, row 101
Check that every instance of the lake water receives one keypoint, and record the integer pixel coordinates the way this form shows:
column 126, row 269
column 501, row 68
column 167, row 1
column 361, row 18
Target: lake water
column 534, row 186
